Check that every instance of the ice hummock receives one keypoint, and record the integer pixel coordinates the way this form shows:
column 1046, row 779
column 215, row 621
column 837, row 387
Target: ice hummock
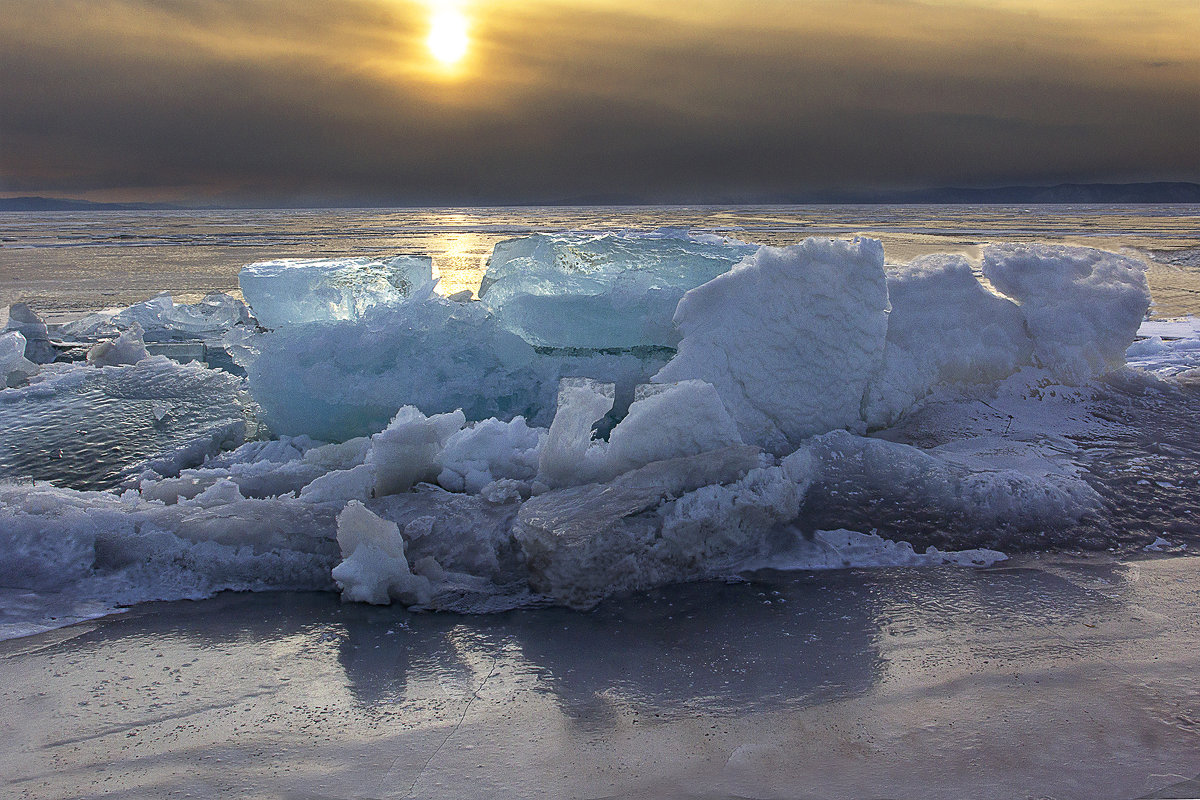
column 944, row 328
column 790, row 338
column 600, row 291
column 1082, row 307
column 428, row 455
column 292, row 291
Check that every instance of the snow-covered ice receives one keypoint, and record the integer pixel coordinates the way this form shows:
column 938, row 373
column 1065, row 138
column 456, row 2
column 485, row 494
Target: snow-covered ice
column 441, row 453
column 944, row 328
column 790, row 338
column 1082, row 306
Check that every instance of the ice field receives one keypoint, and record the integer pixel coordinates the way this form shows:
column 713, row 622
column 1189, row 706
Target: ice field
column 602, row 412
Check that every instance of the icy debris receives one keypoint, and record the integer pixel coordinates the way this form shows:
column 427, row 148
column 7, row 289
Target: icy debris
column 789, row 337
column 1082, row 307
column 409, row 449
column 23, row 320
column 195, row 452
column 944, row 328
column 15, row 368
column 568, row 457
column 1171, row 348
column 600, row 291
column 491, row 453
column 125, row 549
column 583, row 543
column 374, row 569
column 129, row 348
column 163, row 320
column 842, row 549
column 291, row 291
column 1161, row 545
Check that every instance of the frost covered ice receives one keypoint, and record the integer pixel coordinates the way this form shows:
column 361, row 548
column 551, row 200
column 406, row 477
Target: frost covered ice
column 600, row 291
column 944, row 328
column 790, row 338
column 1082, row 306
column 298, row 290
column 427, row 454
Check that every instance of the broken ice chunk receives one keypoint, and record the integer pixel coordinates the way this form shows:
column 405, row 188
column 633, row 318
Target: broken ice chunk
column 789, row 338
column 568, row 457
column 374, row 568
column 409, row 449
column 15, row 368
column 38, row 348
column 129, row 348
column 1082, row 306
column 295, row 290
column 669, row 421
column 612, row 290
column 164, row 320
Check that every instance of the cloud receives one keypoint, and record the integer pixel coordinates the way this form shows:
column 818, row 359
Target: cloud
column 338, row 100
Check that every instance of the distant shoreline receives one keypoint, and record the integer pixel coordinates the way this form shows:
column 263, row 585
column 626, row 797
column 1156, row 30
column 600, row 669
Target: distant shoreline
column 1155, row 193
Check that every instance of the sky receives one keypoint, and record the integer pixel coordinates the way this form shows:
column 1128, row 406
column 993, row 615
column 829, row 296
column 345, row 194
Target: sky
column 379, row 102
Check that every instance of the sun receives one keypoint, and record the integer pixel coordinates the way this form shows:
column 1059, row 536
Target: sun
column 448, row 35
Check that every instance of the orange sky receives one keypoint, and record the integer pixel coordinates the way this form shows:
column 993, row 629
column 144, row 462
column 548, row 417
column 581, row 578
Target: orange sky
column 343, row 101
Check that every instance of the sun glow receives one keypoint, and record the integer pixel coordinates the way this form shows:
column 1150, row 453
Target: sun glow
column 448, row 35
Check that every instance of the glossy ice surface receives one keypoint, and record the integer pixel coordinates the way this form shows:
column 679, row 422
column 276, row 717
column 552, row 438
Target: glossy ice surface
column 1065, row 678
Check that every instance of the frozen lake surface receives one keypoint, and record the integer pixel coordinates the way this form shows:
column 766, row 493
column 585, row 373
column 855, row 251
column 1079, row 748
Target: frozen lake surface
column 1048, row 677
column 69, row 263
column 907, row 514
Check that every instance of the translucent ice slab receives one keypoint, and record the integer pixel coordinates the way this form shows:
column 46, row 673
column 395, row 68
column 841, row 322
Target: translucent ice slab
column 611, row 290
column 294, row 290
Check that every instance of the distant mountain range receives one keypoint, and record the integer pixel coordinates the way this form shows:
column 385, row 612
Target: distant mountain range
column 1074, row 193
column 57, row 204
column 1063, row 193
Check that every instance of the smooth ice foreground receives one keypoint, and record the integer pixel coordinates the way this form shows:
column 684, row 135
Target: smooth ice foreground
column 427, row 454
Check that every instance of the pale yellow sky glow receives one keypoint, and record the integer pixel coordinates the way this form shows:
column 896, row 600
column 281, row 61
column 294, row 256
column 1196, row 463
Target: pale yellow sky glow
column 448, row 38
column 548, row 98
